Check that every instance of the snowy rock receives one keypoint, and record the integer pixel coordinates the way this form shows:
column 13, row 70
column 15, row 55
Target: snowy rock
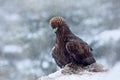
column 114, row 73
column 82, row 76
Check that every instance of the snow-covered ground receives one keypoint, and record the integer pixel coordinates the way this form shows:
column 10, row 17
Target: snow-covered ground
column 112, row 74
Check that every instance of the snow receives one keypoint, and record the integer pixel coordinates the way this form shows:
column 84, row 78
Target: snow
column 27, row 66
column 25, row 22
column 92, row 21
column 104, row 62
column 34, row 35
column 112, row 74
column 12, row 17
column 24, row 65
column 45, row 64
column 108, row 35
column 12, row 49
column 82, row 76
column 3, row 62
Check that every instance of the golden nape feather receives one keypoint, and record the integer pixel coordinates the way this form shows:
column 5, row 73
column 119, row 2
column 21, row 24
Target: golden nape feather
column 56, row 21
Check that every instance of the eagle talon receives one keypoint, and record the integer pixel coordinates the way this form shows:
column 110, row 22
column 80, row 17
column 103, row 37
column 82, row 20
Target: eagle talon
column 72, row 69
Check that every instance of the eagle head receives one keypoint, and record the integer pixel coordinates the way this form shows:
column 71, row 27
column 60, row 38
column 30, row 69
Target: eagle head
column 57, row 22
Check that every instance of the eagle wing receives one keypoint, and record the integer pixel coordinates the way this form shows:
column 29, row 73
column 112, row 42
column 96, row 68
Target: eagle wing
column 55, row 55
column 80, row 52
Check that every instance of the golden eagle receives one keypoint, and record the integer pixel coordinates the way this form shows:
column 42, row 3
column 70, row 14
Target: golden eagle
column 68, row 47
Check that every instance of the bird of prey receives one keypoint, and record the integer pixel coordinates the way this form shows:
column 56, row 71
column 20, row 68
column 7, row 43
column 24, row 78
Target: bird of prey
column 68, row 47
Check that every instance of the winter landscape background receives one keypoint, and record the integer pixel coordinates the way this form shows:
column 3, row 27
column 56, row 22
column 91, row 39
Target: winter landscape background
column 26, row 38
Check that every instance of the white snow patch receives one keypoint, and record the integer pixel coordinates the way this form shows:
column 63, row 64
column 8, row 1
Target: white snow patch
column 27, row 66
column 12, row 17
column 82, row 76
column 106, row 36
column 112, row 74
column 3, row 62
column 45, row 64
column 35, row 35
column 103, row 62
column 92, row 21
column 24, row 65
column 12, row 49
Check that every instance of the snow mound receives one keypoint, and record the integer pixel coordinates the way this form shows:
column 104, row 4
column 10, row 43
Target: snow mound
column 82, row 76
column 112, row 74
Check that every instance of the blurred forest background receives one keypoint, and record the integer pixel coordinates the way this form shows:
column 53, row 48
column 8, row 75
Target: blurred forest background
column 26, row 38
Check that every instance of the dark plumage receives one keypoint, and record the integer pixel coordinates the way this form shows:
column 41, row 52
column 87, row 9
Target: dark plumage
column 68, row 47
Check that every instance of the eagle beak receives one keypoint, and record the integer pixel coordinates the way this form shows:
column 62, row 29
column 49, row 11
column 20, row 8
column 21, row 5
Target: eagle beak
column 55, row 29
